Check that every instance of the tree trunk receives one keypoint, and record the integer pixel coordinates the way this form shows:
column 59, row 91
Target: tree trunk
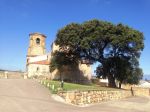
column 111, row 81
column 120, row 85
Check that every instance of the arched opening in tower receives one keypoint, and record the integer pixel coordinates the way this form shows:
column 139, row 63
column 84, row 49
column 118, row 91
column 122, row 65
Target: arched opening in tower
column 37, row 41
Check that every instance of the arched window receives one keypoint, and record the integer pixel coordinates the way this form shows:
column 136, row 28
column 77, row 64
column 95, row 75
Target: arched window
column 38, row 41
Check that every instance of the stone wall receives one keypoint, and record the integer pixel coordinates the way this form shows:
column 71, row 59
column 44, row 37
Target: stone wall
column 97, row 96
column 2, row 75
column 38, row 70
column 93, row 96
column 34, row 47
column 11, row 75
column 138, row 91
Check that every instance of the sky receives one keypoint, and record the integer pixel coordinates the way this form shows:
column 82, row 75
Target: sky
column 19, row 18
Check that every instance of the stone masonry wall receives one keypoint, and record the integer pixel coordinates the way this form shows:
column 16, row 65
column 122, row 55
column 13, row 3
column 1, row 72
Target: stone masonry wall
column 97, row 96
column 93, row 96
column 2, row 75
column 11, row 75
column 138, row 91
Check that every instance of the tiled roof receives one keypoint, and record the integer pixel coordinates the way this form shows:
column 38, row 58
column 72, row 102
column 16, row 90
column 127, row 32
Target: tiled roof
column 44, row 62
column 32, row 55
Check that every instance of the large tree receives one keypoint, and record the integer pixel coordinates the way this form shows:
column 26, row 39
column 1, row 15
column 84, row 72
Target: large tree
column 124, row 71
column 103, row 42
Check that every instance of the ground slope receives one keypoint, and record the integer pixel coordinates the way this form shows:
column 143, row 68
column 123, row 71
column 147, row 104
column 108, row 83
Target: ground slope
column 18, row 95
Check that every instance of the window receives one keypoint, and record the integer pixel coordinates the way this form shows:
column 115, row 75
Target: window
column 38, row 41
column 37, row 70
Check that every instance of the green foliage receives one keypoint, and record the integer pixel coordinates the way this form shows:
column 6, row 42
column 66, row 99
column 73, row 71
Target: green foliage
column 62, row 59
column 136, row 76
column 116, row 47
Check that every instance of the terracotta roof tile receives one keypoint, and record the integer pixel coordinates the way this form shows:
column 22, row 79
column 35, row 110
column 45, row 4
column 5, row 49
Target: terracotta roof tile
column 44, row 62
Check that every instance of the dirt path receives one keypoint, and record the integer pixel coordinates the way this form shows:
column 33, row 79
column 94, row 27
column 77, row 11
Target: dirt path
column 18, row 95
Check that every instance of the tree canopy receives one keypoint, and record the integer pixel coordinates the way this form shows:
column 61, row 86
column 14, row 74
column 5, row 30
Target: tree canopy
column 116, row 47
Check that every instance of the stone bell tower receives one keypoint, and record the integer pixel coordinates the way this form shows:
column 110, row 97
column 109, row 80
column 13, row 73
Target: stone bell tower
column 37, row 59
column 37, row 44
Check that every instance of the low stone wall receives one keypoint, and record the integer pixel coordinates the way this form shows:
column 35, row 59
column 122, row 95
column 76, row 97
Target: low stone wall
column 138, row 91
column 97, row 96
column 2, row 75
column 93, row 96
column 11, row 75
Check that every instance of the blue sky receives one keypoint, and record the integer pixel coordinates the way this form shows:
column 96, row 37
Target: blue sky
column 18, row 18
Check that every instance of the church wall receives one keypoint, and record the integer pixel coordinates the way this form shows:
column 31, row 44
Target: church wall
column 81, row 73
column 86, row 69
column 54, row 48
column 37, row 58
column 36, row 69
column 37, row 50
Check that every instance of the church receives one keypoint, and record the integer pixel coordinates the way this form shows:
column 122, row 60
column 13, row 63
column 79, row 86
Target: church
column 38, row 62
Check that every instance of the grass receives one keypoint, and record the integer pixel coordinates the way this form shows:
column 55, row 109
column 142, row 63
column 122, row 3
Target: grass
column 73, row 87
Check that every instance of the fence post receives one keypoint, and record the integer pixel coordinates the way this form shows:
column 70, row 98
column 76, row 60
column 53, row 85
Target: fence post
column 132, row 92
column 48, row 84
column 53, row 87
column 25, row 76
column 6, row 75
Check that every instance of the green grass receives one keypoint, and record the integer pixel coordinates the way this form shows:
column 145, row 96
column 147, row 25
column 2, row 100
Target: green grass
column 73, row 87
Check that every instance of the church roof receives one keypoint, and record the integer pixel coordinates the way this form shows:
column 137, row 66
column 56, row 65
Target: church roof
column 37, row 33
column 44, row 62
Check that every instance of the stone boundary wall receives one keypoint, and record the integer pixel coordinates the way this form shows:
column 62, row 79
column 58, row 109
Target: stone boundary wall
column 139, row 91
column 11, row 75
column 97, row 96
column 2, row 75
column 93, row 96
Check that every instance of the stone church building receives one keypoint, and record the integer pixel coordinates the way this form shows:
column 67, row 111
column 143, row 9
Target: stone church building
column 38, row 62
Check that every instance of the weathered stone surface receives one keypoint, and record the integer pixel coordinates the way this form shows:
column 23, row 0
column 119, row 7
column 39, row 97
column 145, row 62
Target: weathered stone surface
column 11, row 75
column 95, row 96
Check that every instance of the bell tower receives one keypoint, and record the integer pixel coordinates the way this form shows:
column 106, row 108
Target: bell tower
column 36, row 45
